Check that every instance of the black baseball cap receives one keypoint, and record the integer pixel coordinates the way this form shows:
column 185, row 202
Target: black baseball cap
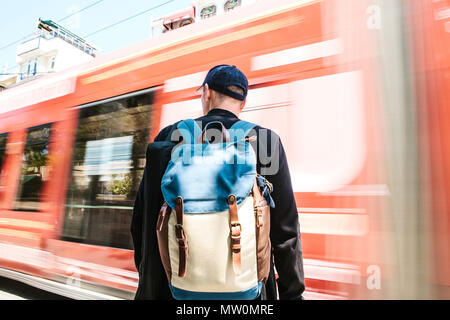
column 222, row 76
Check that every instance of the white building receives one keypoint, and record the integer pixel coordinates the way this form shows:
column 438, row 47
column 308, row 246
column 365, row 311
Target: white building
column 53, row 49
column 200, row 9
column 208, row 8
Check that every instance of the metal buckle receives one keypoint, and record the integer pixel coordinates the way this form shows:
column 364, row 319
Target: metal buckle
column 259, row 217
column 236, row 224
column 180, row 228
column 231, row 199
column 268, row 184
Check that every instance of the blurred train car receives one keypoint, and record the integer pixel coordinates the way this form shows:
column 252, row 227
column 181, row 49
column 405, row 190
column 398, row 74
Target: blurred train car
column 344, row 84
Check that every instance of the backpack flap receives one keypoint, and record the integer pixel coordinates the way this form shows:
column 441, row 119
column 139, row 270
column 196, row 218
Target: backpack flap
column 205, row 175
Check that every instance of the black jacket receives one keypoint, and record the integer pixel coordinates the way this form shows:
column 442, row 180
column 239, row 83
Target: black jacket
column 284, row 234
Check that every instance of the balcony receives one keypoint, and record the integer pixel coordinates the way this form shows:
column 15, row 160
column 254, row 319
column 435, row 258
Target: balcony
column 45, row 42
column 33, row 45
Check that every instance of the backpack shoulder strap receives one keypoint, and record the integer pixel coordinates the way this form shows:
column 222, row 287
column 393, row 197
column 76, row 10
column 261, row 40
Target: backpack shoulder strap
column 190, row 130
column 240, row 130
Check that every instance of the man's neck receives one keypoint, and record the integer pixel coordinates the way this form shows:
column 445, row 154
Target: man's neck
column 233, row 110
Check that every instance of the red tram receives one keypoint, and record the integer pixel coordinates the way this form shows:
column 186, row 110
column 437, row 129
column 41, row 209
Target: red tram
column 341, row 82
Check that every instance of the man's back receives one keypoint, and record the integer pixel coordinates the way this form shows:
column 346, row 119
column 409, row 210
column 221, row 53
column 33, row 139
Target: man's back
column 285, row 233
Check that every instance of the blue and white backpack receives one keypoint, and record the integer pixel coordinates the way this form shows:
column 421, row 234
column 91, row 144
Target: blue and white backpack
column 213, row 229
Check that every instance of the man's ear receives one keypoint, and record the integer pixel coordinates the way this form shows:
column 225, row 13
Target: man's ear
column 206, row 99
column 243, row 104
column 207, row 92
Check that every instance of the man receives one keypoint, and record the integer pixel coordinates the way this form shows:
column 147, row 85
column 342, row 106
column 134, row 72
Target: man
column 224, row 94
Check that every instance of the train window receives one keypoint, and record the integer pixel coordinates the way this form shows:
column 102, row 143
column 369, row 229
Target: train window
column 107, row 167
column 3, row 139
column 35, row 170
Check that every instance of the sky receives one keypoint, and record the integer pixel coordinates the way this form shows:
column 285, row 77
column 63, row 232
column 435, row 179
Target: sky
column 19, row 18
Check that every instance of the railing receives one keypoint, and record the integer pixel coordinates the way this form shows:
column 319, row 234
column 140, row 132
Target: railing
column 28, row 45
column 73, row 41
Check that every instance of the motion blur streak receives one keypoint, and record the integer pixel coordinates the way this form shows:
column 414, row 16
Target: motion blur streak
column 358, row 91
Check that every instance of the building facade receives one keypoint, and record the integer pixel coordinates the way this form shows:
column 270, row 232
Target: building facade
column 199, row 10
column 52, row 49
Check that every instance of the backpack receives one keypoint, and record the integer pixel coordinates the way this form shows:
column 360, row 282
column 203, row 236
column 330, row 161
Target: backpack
column 213, row 229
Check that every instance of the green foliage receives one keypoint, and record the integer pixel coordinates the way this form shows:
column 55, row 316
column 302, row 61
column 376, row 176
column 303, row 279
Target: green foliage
column 34, row 160
column 121, row 187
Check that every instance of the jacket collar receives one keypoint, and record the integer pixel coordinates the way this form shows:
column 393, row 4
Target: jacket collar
column 222, row 113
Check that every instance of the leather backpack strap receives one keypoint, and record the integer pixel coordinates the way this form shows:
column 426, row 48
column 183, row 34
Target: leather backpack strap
column 236, row 230
column 181, row 237
column 259, row 201
column 161, row 217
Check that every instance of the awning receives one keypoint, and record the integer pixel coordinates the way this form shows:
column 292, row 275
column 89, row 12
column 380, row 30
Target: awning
column 181, row 15
column 50, row 25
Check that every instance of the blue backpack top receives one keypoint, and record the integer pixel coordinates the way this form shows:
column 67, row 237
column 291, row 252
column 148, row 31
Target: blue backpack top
column 204, row 175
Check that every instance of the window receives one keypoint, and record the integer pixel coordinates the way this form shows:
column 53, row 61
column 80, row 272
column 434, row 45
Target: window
column 3, row 139
column 35, row 170
column 28, row 68
column 107, row 168
column 231, row 4
column 35, row 62
column 208, row 12
column 52, row 63
column 89, row 50
column 186, row 22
